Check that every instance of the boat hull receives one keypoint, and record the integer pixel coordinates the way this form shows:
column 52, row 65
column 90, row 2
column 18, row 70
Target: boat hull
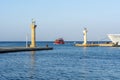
column 59, row 41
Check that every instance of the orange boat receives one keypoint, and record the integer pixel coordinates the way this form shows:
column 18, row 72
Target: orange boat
column 59, row 41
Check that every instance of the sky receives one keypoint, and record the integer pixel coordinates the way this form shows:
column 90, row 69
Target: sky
column 59, row 19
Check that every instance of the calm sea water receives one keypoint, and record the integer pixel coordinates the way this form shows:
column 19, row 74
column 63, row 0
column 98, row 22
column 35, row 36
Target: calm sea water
column 65, row 62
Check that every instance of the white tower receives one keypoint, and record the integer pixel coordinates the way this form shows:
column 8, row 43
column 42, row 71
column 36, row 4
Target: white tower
column 85, row 36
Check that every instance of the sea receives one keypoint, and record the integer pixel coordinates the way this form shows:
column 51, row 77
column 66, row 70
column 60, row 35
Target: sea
column 64, row 62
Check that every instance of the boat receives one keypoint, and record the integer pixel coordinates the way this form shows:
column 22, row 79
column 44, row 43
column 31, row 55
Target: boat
column 59, row 41
column 115, row 38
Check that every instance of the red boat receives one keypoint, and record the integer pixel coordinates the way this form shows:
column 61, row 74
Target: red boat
column 59, row 41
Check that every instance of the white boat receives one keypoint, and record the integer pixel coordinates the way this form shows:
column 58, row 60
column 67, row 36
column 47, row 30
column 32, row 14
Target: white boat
column 115, row 38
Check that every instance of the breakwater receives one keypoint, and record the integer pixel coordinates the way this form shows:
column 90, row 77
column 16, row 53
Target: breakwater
column 19, row 49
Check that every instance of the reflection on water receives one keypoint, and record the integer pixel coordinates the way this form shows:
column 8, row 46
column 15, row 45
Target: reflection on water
column 32, row 58
column 84, row 51
column 32, row 65
column 84, row 64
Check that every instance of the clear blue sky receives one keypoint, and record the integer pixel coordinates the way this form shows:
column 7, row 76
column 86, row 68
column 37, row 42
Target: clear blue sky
column 59, row 18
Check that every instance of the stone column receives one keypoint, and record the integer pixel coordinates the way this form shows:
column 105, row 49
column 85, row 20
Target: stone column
column 33, row 34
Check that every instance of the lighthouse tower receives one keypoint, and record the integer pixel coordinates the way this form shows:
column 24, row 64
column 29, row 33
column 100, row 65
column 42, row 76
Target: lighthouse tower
column 85, row 36
column 33, row 34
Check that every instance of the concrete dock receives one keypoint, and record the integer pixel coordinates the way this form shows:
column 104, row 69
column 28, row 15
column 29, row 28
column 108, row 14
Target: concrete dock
column 96, row 45
column 19, row 49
